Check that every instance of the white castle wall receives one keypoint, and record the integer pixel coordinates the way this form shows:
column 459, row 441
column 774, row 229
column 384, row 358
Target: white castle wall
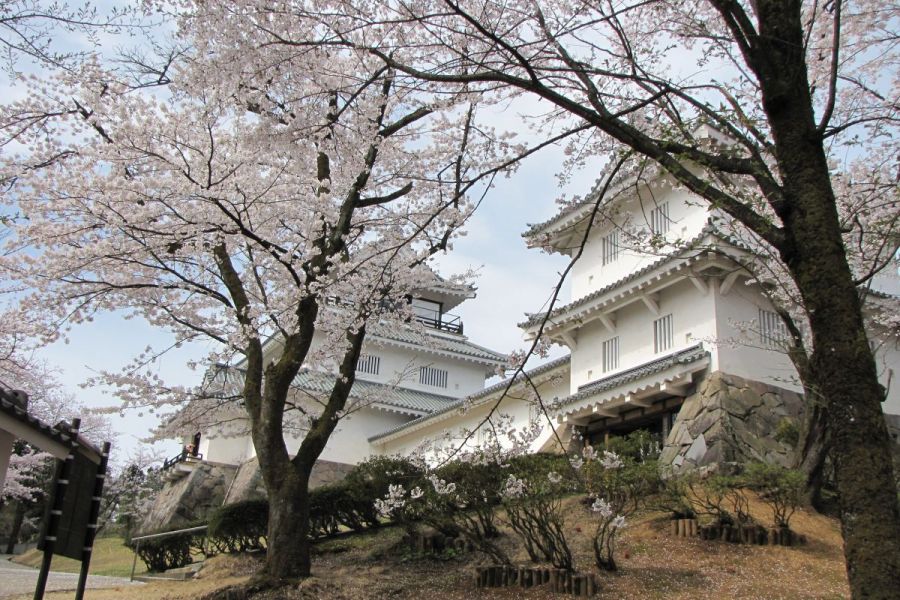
column 400, row 366
column 688, row 217
column 692, row 319
column 520, row 410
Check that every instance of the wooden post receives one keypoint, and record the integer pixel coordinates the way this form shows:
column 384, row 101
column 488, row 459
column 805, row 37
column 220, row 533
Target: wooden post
column 90, row 534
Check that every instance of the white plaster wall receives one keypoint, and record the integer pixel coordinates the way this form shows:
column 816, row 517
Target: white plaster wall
column 350, row 441
column 692, row 319
column 520, row 410
column 741, row 352
column 400, row 366
column 688, row 216
column 217, row 447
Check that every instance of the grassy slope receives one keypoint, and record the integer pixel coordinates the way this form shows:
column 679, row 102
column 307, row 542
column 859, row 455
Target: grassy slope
column 110, row 557
column 653, row 565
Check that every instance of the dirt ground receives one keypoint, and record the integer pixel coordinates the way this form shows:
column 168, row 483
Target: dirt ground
column 653, row 565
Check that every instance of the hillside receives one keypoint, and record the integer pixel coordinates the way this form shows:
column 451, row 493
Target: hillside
column 653, row 565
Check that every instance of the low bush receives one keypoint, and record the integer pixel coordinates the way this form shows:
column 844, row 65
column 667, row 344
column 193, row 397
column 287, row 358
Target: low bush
column 534, row 511
column 239, row 527
column 372, row 478
column 617, row 485
column 340, row 505
column 169, row 552
column 779, row 487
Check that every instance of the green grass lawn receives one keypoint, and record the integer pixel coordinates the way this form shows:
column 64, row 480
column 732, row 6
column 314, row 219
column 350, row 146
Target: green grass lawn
column 110, row 557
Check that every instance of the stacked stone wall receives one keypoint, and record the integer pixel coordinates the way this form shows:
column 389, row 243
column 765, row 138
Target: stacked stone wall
column 248, row 483
column 729, row 421
column 190, row 498
column 210, row 485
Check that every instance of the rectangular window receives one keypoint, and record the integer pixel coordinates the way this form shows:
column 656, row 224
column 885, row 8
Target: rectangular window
column 368, row 363
column 611, row 354
column 610, row 248
column 426, row 309
column 433, row 377
column 663, row 334
column 659, row 219
column 772, row 331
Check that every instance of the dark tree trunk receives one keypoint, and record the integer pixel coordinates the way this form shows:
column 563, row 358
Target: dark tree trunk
column 842, row 369
column 18, row 519
column 288, row 555
column 811, row 451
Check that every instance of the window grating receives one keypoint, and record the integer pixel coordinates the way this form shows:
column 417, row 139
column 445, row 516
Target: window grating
column 772, row 331
column 432, row 376
column 368, row 363
column 610, row 247
column 663, row 334
column 611, row 354
column 659, row 219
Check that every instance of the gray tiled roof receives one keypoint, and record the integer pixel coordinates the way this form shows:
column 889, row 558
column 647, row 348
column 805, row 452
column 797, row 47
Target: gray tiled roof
column 321, row 383
column 690, row 246
column 427, row 342
column 12, row 407
column 590, row 199
column 549, row 366
column 682, row 357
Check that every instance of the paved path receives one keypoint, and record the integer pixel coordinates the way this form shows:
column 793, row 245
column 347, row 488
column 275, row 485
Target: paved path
column 19, row 579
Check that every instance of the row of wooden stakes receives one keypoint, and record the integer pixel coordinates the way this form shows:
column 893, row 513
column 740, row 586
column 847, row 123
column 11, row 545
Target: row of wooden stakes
column 752, row 534
column 737, row 534
column 559, row 580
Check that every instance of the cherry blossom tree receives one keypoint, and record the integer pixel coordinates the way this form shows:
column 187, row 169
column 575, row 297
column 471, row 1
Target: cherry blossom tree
column 804, row 95
column 272, row 202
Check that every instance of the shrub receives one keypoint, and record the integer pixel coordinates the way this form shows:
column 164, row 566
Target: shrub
column 240, row 527
column 539, row 465
column 534, row 512
column 638, row 446
column 340, row 505
column 720, row 496
column 479, row 484
column 170, row 552
column 372, row 478
column 787, row 432
column 616, row 485
column 459, row 507
column 781, row 488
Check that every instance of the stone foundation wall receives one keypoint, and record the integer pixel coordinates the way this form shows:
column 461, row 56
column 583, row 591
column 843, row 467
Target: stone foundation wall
column 210, row 485
column 248, row 483
column 730, row 420
column 190, row 498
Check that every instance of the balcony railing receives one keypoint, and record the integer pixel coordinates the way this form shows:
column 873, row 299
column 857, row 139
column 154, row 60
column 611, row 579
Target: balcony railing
column 183, row 457
column 441, row 321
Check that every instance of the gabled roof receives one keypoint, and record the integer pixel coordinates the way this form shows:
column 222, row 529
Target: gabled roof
column 574, row 213
column 57, row 440
column 678, row 260
column 682, row 357
column 473, row 399
column 440, row 344
column 376, row 394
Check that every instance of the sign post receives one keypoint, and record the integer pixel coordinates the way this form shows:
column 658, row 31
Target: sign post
column 70, row 524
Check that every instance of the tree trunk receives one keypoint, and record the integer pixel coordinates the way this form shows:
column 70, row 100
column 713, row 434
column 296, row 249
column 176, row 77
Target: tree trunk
column 18, row 519
column 842, row 369
column 811, row 450
column 288, row 554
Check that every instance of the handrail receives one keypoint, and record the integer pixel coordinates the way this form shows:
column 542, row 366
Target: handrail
column 151, row 536
column 182, row 457
column 168, row 533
